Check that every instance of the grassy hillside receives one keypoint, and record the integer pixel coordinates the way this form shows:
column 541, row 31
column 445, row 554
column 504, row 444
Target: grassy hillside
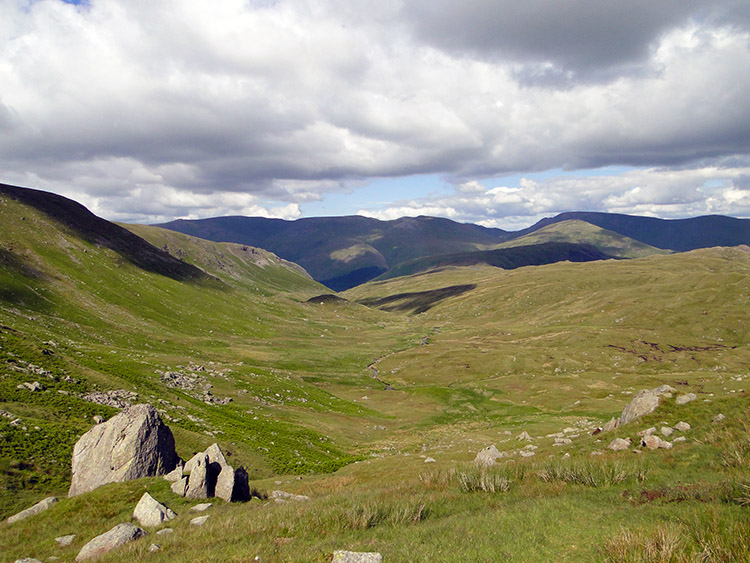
column 380, row 410
column 580, row 232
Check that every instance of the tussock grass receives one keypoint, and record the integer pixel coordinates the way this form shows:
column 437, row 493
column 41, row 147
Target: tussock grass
column 664, row 545
column 605, row 473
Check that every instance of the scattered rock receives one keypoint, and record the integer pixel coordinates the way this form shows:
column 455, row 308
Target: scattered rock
column 150, row 512
column 679, row 439
column 527, row 453
column 176, row 473
column 523, row 436
column 341, row 556
column 487, row 456
column 131, row 445
column 117, row 536
column 682, row 426
column 220, row 478
column 611, row 425
column 202, row 507
column 667, row 431
column 719, row 418
column 98, row 419
column 686, row 398
column 31, row 386
column 597, row 453
column 64, row 541
column 283, row 495
column 619, row 444
column 562, row 442
column 200, row 520
column 179, row 487
column 654, row 442
column 430, row 460
column 646, row 432
column 119, row 398
column 154, row 547
column 28, row 560
column 164, row 531
column 41, row 506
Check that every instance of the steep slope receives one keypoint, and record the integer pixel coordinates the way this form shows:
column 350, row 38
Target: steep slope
column 673, row 234
column 236, row 355
column 342, row 252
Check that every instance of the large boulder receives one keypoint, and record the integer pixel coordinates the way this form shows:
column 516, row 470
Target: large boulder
column 150, row 512
column 117, row 536
column 131, row 445
column 198, row 482
column 211, row 475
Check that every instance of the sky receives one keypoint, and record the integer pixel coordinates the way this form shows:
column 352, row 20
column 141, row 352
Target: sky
column 495, row 112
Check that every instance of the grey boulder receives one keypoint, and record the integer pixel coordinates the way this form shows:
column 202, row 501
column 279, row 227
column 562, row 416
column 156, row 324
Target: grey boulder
column 117, row 536
column 150, row 512
column 41, row 506
column 131, row 445
column 487, row 456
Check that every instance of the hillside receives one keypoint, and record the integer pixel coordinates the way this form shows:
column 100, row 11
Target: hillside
column 343, row 252
column 577, row 231
column 375, row 403
column 680, row 235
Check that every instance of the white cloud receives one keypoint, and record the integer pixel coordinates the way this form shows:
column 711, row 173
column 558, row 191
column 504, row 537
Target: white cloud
column 157, row 104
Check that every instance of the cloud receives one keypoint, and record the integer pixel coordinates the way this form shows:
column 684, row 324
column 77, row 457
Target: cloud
column 284, row 102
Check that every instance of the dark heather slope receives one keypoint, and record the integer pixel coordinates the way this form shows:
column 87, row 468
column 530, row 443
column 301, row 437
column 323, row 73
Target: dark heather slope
column 96, row 230
column 672, row 234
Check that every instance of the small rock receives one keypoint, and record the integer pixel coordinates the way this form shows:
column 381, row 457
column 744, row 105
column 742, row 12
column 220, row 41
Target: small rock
column 98, row 419
column 523, row 436
column 645, row 402
column 176, row 473
column 682, row 426
column 646, row 432
column 65, row 540
column 154, row 547
column 596, row 453
column 429, row 460
column 667, row 431
column 526, row 453
column 679, row 439
column 562, row 441
column 283, row 495
column 117, row 536
column 686, row 398
column 200, row 520
column 619, row 444
column 566, row 456
column 487, row 456
column 341, row 556
column 28, row 560
column 653, row 442
column 611, row 425
column 719, row 418
column 180, row 487
column 41, row 506
column 164, row 531
column 202, row 507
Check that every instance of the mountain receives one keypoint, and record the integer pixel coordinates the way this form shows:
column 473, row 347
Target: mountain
column 341, row 252
column 672, row 234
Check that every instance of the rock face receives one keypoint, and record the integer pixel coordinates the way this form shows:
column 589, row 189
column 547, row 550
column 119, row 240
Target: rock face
column 41, row 506
column 341, row 556
column 211, row 475
column 131, row 445
column 487, row 456
column 117, row 536
column 150, row 512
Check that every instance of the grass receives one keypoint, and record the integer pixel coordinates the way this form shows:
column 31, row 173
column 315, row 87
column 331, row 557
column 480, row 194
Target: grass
column 553, row 350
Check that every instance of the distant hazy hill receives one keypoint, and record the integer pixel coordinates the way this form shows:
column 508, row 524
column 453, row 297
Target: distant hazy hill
column 342, row 252
column 672, row 234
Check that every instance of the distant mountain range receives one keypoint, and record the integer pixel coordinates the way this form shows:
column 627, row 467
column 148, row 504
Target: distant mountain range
column 342, row 252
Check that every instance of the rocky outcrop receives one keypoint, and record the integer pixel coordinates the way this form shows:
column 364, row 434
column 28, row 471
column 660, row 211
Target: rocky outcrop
column 117, row 536
column 150, row 512
column 210, row 475
column 41, row 506
column 131, row 445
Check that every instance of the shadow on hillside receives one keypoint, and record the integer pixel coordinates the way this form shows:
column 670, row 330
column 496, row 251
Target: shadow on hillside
column 16, row 291
column 417, row 302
